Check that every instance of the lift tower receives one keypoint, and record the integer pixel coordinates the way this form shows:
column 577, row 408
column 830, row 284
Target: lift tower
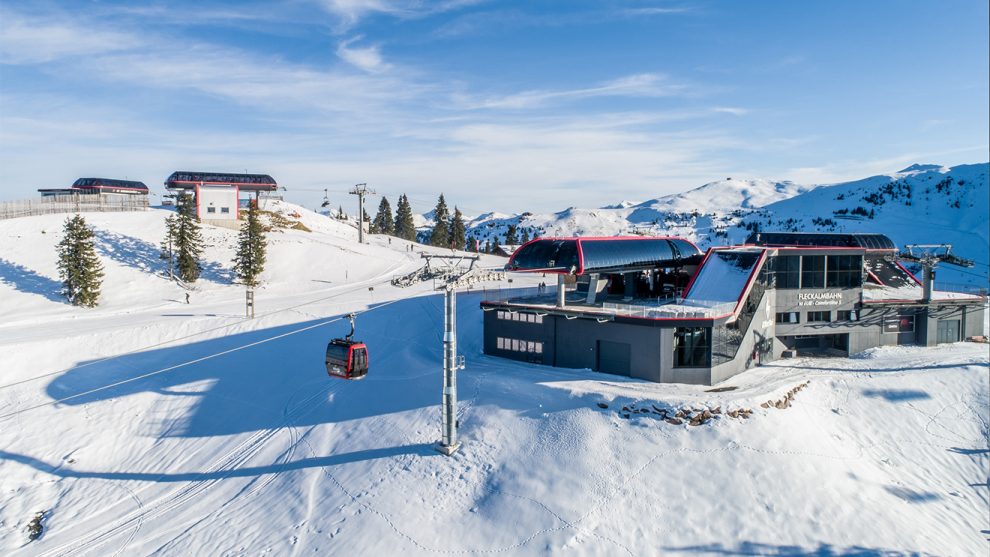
column 450, row 276
column 361, row 190
column 929, row 256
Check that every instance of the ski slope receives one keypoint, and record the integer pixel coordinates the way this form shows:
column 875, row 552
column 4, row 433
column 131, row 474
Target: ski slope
column 222, row 435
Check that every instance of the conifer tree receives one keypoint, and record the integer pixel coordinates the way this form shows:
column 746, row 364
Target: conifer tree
column 168, row 244
column 383, row 223
column 405, row 228
column 441, row 228
column 456, row 232
column 525, row 236
column 188, row 240
column 488, row 245
column 510, row 236
column 249, row 260
column 78, row 265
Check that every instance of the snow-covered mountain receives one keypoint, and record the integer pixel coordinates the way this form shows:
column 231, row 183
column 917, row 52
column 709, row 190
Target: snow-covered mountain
column 921, row 204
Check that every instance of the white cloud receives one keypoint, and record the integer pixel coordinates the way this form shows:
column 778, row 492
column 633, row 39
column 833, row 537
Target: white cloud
column 26, row 40
column 368, row 59
column 638, row 85
column 733, row 110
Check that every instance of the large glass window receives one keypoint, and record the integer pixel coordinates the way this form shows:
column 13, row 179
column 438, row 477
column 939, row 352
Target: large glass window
column 692, row 347
column 845, row 271
column 813, row 271
column 787, row 271
column 789, row 317
column 725, row 343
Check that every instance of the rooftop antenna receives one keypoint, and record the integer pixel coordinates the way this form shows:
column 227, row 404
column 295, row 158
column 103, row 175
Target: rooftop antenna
column 929, row 256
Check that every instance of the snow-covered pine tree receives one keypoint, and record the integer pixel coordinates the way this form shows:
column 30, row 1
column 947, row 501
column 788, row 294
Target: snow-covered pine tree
column 188, row 240
column 457, row 231
column 441, row 228
column 405, row 228
column 249, row 260
column 383, row 223
column 525, row 236
column 78, row 265
column 168, row 244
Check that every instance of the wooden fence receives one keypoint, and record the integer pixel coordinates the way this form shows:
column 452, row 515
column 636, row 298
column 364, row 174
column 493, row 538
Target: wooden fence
column 72, row 203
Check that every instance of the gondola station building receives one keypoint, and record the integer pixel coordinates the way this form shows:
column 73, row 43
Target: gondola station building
column 659, row 309
column 218, row 195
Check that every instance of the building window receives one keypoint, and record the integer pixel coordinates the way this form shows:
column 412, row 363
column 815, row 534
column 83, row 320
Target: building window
column 847, row 315
column 726, row 340
column 789, row 317
column 692, row 347
column 787, row 271
column 225, row 210
column 520, row 316
column 819, row 316
column 813, row 271
column 211, row 209
column 516, row 345
column 844, row 271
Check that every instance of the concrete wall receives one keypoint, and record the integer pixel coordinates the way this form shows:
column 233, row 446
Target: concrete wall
column 217, row 198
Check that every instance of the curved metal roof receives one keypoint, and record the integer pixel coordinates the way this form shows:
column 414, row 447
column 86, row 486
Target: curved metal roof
column 109, row 183
column 184, row 179
column 822, row 239
column 602, row 255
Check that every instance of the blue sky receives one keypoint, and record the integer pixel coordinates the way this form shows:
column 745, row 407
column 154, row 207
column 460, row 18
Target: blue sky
column 506, row 106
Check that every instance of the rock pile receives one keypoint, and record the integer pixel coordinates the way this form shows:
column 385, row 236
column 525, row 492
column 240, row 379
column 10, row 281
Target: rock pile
column 786, row 401
column 691, row 415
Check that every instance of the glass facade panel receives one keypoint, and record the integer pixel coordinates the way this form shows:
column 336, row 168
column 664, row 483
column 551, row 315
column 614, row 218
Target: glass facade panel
column 787, row 271
column 813, row 271
column 692, row 347
column 845, row 271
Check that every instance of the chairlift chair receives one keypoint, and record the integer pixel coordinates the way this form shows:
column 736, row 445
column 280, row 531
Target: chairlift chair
column 347, row 358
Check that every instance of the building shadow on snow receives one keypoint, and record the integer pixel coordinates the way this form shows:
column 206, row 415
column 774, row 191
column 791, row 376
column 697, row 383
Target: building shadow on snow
column 145, row 256
column 26, row 280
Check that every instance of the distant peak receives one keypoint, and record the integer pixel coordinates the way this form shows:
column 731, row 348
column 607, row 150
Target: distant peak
column 921, row 167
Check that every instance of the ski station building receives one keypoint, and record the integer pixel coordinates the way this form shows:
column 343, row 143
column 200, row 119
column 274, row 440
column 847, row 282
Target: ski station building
column 659, row 309
column 108, row 187
column 218, row 195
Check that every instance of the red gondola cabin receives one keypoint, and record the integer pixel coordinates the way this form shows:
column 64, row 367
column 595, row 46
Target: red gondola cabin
column 347, row 359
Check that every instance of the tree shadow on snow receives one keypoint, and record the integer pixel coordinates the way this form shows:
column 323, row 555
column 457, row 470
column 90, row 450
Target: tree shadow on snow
column 896, row 395
column 26, row 280
column 145, row 256
column 822, row 550
column 421, row 449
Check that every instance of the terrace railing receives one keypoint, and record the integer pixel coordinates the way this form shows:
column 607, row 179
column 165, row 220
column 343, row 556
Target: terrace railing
column 72, row 203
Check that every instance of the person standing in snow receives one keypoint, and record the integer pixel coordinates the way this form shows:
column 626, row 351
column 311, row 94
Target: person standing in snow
column 187, row 297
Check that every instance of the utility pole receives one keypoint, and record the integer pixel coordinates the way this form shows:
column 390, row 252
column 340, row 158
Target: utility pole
column 361, row 190
column 249, row 303
column 450, row 278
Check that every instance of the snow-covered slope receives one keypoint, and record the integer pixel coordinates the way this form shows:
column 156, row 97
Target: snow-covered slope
column 189, row 430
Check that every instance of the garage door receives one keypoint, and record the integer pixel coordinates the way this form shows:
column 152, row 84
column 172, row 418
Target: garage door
column 614, row 357
column 948, row 331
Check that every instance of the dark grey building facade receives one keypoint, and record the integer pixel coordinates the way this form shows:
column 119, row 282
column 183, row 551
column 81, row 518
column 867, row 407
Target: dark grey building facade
column 689, row 319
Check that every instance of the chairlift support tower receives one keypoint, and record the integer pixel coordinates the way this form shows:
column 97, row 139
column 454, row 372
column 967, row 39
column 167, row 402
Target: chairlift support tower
column 929, row 256
column 361, row 190
column 451, row 277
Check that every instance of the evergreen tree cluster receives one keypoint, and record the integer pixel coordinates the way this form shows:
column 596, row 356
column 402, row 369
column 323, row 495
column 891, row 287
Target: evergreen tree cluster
column 188, row 239
column 79, row 267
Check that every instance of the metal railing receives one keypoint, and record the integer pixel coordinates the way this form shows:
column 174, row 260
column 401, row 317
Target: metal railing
column 72, row 203
column 675, row 307
column 680, row 310
column 960, row 288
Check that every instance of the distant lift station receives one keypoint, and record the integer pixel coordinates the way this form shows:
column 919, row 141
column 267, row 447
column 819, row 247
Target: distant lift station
column 659, row 310
column 217, row 194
